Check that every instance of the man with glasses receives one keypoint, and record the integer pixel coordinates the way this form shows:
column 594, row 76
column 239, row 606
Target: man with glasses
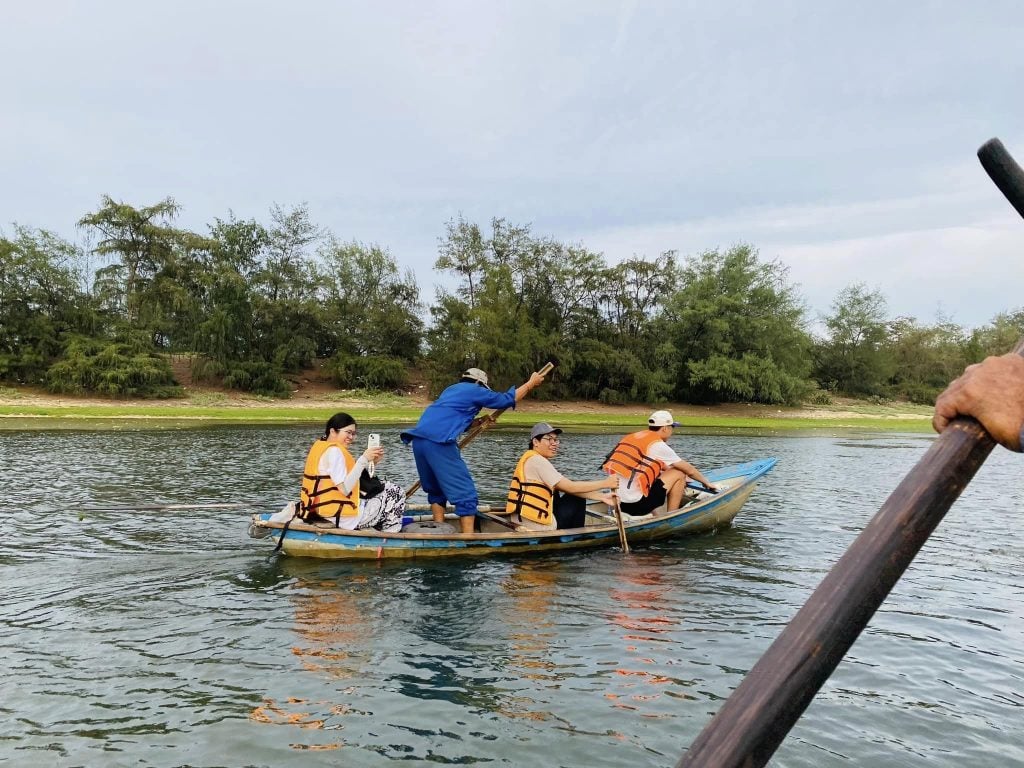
column 541, row 496
column 649, row 472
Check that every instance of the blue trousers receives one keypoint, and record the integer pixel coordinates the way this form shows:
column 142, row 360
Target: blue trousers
column 444, row 475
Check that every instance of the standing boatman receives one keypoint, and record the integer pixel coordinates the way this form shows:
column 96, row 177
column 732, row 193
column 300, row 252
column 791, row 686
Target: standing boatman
column 443, row 473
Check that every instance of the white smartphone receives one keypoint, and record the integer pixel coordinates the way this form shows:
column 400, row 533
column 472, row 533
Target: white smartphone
column 372, row 442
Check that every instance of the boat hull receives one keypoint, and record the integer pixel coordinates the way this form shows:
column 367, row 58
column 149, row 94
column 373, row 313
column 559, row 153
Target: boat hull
column 708, row 514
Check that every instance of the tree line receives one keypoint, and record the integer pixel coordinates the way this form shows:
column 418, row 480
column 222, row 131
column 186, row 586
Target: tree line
column 252, row 303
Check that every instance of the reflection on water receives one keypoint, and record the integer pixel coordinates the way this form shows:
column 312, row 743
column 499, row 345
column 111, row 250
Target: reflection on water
column 183, row 642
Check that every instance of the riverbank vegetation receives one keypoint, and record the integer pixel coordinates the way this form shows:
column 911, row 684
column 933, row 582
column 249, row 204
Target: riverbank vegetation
column 250, row 304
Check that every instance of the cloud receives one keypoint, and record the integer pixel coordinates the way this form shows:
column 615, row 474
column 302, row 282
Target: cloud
column 953, row 253
column 810, row 131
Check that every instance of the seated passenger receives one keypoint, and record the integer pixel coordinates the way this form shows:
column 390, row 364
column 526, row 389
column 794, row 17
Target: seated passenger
column 539, row 494
column 331, row 483
column 649, row 471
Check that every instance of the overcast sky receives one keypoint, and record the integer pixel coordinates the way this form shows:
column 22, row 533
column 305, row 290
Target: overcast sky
column 837, row 137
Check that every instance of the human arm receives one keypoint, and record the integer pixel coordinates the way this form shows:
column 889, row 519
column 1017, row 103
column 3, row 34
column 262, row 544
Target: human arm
column 691, row 471
column 346, row 477
column 991, row 392
column 587, row 487
column 540, row 469
column 669, row 459
column 535, row 380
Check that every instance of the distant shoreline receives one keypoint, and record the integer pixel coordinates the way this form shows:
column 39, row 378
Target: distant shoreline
column 31, row 409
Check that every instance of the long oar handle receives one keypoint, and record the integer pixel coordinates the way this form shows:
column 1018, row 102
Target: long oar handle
column 1004, row 171
column 773, row 695
column 479, row 427
column 492, row 417
column 760, row 712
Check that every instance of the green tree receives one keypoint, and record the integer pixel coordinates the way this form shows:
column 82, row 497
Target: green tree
column 501, row 315
column 464, row 252
column 138, row 242
column 41, row 302
column 636, row 290
column 291, row 240
column 856, row 357
column 370, row 305
column 738, row 330
column 226, row 332
column 997, row 337
column 925, row 358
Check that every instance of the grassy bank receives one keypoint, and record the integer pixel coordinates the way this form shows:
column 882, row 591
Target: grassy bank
column 33, row 410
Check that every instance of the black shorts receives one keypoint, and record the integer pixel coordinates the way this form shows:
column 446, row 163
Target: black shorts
column 570, row 511
column 654, row 499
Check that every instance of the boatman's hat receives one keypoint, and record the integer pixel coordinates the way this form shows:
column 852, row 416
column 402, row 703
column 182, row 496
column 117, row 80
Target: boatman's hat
column 475, row 374
column 662, row 419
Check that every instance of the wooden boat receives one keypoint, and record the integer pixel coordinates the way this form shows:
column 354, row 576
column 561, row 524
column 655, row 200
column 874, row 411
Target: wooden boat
column 701, row 513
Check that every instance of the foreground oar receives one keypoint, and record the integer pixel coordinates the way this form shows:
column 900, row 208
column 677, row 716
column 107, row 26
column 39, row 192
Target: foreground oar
column 761, row 711
column 483, row 423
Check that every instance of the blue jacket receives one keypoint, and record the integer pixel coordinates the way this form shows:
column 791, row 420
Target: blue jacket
column 451, row 414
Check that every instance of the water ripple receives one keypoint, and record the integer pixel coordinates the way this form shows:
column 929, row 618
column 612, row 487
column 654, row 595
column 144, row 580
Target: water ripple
column 171, row 639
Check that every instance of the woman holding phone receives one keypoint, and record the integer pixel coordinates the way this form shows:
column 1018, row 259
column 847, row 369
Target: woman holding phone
column 336, row 487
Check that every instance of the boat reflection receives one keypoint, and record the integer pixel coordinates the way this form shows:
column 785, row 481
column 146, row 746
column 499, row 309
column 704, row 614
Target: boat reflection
column 532, row 635
column 651, row 620
column 330, row 642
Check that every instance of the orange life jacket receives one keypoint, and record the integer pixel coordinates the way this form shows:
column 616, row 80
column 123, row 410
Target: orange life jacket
column 319, row 495
column 629, row 459
column 530, row 500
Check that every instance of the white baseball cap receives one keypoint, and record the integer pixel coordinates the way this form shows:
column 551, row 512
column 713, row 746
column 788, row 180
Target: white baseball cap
column 475, row 374
column 662, row 419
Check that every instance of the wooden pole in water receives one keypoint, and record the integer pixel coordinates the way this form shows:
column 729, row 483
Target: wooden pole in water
column 760, row 712
column 622, row 526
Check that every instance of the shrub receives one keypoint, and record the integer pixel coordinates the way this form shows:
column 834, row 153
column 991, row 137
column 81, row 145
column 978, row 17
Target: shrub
column 818, row 396
column 611, row 397
column 116, row 369
column 206, row 370
column 375, row 372
column 922, row 394
column 258, row 377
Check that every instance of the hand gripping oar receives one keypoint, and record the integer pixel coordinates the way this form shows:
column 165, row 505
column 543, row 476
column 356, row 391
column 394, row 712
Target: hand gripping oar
column 759, row 713
column 482, row 423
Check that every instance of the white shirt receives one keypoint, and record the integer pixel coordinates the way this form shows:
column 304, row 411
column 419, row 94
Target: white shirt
column 332, row 462
column 659, row 450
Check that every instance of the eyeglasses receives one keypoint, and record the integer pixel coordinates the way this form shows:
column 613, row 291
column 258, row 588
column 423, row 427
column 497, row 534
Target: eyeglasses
column 551, row 439
column 349, row 432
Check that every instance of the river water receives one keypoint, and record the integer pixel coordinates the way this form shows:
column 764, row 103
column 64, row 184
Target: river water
column 172, row 639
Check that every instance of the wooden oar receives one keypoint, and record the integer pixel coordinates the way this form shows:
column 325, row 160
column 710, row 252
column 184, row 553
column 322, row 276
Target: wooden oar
column 482, row 424
column 178, row 507
column 759, row 713
column 622, row 526
column 429, row 507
